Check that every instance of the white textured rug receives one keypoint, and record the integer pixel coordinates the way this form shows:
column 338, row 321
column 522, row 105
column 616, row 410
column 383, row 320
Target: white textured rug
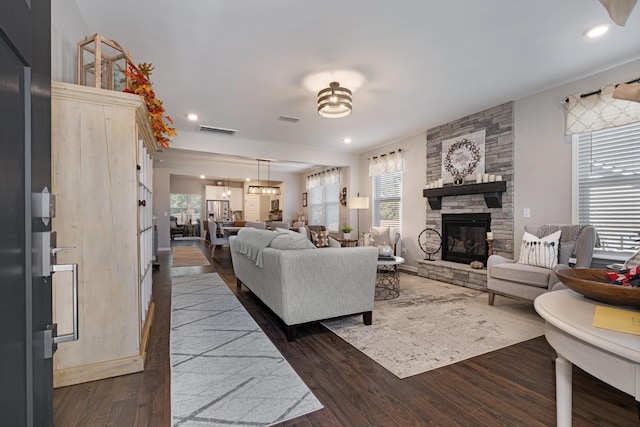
column 224, row 369
column 434, row 324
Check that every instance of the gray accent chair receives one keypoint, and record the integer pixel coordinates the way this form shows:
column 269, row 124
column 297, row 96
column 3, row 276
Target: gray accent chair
column 174, row 228
column 217, row 236
column 508, row 278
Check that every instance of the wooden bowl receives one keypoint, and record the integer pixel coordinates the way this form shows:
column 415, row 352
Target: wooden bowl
column 594, row 284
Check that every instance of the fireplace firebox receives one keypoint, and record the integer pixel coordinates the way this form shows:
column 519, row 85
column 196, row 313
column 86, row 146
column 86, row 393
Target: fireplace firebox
column 464, row 237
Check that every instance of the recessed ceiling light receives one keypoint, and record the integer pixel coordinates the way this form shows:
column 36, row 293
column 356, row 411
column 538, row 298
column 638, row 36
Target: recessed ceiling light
column 347, row 140
column 247, row 179
column 597, row 31
column 192, row 117
column 201, row 176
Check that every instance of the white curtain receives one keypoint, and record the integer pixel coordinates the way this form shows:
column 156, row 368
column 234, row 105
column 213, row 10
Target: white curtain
column 598, row 111
column 328, row 177
column 386, row 163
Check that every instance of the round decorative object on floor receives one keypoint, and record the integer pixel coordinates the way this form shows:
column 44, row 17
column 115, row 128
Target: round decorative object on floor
column 478, row 265
column 430, row 242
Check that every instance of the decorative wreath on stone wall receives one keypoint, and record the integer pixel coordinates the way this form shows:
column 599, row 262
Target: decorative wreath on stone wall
column 462, row 158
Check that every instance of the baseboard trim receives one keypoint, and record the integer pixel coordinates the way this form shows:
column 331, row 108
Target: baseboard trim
column 146, row 330
column 97, row 371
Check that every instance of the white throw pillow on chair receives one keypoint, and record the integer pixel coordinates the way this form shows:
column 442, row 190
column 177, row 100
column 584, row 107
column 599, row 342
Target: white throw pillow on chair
column 381, row 236
column 540, row 252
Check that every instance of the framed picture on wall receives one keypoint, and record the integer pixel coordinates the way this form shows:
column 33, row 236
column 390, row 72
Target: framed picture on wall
column 304, row 200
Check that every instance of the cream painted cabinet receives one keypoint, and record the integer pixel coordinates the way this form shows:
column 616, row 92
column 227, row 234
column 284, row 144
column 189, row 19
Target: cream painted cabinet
column 101, row 142
column 256, row 207
column 252, row 207
column 214, row 192
column 235, row 199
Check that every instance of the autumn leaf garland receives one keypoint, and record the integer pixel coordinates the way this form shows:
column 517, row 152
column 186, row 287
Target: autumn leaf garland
column 141, row 85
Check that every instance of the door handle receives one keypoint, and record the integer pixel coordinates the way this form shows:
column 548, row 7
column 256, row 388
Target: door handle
column 73, row 268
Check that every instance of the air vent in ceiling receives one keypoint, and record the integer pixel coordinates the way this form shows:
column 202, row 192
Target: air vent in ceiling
column 288, row 119
column 217, row 130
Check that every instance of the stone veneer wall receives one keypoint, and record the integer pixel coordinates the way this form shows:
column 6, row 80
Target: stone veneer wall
column 498, row 123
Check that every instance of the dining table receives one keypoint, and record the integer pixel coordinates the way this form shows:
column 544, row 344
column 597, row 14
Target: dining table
column 229, row 230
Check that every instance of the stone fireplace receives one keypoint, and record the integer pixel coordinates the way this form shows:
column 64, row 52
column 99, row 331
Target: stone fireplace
column 493, row 201
column 464, row 237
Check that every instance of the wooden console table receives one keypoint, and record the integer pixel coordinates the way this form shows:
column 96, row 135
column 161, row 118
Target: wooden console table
column 613, row 357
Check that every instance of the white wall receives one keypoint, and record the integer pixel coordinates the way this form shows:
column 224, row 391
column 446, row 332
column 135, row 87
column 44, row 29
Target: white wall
column 67, row 29
column 543, row 159
column 413, row 204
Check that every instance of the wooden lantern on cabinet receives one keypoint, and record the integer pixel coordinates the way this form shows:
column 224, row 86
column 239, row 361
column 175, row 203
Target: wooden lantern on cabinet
column 102, row 63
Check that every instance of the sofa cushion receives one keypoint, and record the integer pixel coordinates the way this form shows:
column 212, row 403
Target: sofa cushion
column 291, row 241
column 540, row 252
column 525, row 274
column 285, row 230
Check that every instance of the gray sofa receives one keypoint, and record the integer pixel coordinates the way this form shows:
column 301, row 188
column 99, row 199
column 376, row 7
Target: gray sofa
column 303, row 284
column 508, row 278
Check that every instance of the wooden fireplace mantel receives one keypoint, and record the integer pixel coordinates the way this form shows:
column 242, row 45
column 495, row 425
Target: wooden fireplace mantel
column 492, row 192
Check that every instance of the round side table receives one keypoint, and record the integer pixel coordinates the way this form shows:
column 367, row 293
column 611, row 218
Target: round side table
column 388, row 279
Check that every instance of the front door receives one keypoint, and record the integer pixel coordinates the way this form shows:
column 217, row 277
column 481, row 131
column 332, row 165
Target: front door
column 26, row 377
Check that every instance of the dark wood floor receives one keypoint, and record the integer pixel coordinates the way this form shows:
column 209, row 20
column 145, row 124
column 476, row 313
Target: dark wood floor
column 514, row 386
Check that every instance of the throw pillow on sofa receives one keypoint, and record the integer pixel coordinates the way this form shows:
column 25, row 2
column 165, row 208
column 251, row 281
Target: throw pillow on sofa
column 633, row 261
column 321, row 239
column 291, row 241
column 540, row 252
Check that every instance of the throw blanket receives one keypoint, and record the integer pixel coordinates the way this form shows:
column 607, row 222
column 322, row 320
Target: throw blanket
column 251, row 242
column 570, row 232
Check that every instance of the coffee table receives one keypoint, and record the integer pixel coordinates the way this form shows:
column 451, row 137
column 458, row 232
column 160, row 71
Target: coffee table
column 613, row 357
column 388, row 279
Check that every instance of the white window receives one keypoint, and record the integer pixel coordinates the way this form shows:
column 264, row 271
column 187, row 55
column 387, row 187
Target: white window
column 324, row 206
column 185, row 207
column 387, row 200
column 608, row 186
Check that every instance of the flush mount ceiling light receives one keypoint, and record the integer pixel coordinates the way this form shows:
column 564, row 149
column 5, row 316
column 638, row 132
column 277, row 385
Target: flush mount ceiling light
column 335, row 101
column 596, row 31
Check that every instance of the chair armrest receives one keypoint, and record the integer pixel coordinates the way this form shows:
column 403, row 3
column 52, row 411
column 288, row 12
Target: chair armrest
column 498, row 259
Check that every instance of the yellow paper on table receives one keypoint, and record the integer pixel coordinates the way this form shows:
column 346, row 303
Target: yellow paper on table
column 616, row 319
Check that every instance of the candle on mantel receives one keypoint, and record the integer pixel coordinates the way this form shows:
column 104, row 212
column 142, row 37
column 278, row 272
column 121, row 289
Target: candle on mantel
column 489, row 235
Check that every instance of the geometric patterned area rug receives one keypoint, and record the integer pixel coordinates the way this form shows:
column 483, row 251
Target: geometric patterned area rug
column 185, row 256
column 434, row 324
column 224, row 369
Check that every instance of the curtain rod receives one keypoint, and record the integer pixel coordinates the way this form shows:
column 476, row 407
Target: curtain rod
column 399, row 150
column 321, row 172
column 599, row 91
